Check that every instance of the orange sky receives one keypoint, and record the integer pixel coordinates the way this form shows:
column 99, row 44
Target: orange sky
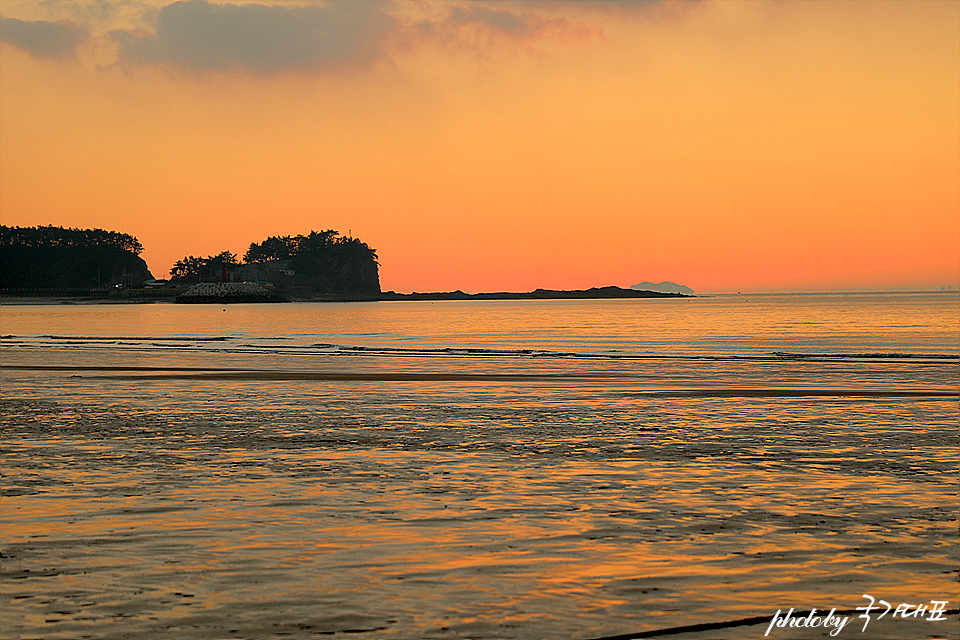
column 728, row 146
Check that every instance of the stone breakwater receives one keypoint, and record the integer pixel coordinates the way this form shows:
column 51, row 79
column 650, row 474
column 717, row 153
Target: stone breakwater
column 227, row 292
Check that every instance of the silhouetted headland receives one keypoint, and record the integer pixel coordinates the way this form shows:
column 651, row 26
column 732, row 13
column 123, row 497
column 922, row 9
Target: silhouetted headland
column 318, row 265
column 69, row 260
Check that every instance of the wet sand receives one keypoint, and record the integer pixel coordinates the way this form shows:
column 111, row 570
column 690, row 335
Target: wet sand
column 419, row 510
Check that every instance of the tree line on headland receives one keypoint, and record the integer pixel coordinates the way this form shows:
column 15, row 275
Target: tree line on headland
column 58, row 258
column 62, row 237
column 49, row 257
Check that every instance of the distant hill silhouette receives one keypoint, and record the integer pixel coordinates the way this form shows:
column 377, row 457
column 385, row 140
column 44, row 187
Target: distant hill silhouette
column 61, row 258
column 663, row 287
column 594, row 293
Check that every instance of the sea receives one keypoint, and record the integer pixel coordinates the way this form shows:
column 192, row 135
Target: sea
column 706, row 467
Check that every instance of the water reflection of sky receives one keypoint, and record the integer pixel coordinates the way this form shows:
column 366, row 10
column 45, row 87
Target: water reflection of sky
column 717, row 326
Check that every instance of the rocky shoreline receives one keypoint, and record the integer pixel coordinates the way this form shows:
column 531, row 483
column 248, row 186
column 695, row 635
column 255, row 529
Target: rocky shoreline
column 228, row 293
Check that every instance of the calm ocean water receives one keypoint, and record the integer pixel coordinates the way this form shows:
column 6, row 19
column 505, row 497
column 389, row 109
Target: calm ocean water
column 479, row 469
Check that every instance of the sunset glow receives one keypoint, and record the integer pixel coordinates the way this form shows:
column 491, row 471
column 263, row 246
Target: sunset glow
column 728, row 146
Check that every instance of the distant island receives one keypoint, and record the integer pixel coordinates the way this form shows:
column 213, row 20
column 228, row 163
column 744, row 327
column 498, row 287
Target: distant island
column 663, row 287
column 322, row 266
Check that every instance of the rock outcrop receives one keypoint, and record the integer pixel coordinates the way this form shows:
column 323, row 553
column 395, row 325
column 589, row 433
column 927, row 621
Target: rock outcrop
column 228, row 292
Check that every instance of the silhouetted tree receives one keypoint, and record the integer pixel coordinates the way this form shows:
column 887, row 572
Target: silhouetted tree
column 189, row 267
column 194, row 269
column 51, row 236
column 273, row 248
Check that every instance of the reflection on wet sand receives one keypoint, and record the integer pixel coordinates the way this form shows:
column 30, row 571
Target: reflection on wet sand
column 468, row 518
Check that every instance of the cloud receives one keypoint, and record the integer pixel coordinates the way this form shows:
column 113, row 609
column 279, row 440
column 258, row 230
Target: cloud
column 99, row 15
column 264, row 39
column 480, row 25
column 507, row 21
column 42, row 39
column 299, row 36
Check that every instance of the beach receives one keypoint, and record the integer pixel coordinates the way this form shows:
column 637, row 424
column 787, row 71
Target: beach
column 222, row 481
